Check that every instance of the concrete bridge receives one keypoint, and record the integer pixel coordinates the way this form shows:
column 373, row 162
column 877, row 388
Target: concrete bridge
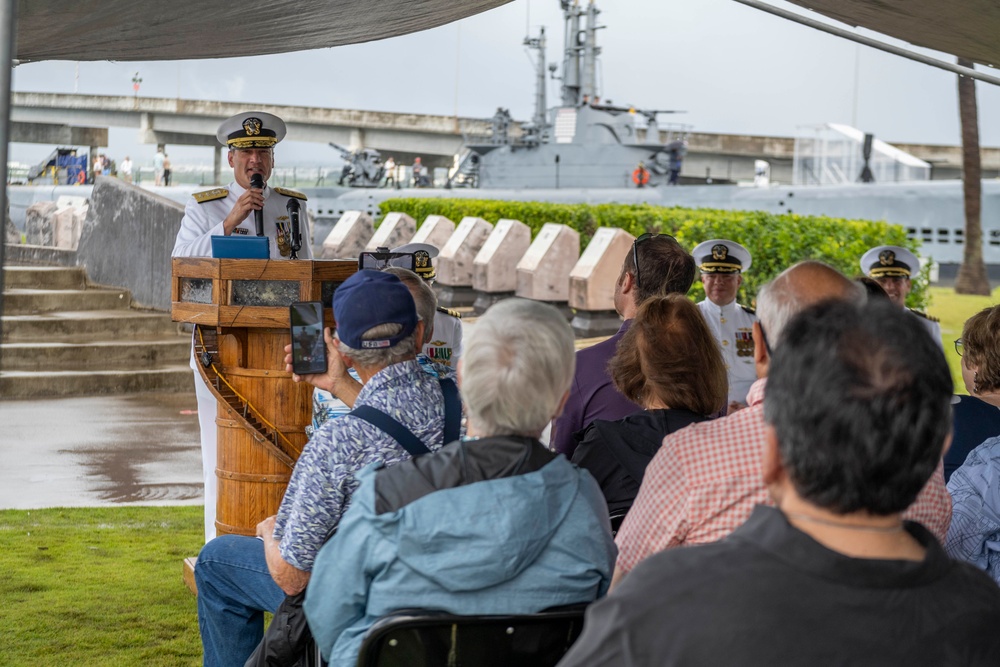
column 82, row 120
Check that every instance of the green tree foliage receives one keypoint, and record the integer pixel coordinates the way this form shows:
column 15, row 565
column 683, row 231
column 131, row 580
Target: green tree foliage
column 775, row 241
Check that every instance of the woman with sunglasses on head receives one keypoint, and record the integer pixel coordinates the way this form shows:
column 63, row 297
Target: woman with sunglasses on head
column 977, row 416
column 669, row 363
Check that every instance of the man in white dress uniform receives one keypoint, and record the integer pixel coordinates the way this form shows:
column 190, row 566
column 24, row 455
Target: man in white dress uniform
column 722, row 263
column 228, row 211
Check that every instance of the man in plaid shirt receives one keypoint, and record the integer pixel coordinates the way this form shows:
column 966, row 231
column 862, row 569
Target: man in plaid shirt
column 706, row 479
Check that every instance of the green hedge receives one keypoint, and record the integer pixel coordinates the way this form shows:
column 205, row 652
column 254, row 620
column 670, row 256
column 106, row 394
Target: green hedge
column 775, row 241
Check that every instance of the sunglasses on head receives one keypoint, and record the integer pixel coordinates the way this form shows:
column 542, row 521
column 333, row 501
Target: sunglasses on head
column 635, row 255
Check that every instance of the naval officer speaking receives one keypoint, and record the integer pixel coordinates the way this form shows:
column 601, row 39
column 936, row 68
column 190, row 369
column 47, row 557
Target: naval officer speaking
column 250, row 137
column 234, row 209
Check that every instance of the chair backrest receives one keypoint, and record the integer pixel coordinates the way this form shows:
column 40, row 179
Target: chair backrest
column 616, row 520
column 420, row 638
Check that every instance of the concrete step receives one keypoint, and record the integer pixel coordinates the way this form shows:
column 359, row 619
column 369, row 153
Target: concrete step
column 50, row 384
column 27, row 301
column 87, row 325
column 44, row 277
column 124, row 354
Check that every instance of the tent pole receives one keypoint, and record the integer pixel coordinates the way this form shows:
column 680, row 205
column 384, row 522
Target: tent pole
column 868, row 41
column 8, row 35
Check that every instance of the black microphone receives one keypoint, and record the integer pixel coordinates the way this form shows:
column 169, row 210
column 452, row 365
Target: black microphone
column 257, row 181
column 293, row 209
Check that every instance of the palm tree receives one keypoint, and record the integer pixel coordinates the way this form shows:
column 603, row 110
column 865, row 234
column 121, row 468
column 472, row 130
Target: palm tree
column 972, row 278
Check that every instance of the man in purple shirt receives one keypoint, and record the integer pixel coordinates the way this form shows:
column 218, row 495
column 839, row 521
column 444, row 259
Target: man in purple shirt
column 656, row 266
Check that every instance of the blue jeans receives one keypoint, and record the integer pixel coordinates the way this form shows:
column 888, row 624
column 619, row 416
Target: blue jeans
column 234, row 590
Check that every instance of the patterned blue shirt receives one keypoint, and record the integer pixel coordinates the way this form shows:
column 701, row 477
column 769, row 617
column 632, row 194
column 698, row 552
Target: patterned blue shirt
column 323, row 479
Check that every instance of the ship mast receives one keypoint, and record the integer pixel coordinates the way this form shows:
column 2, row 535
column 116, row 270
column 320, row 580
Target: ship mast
column 580, row 53
column 541, row 103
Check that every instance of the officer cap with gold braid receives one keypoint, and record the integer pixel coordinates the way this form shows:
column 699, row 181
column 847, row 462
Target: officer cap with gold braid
column 721, row 256
column 423, row 253
column 889, row 260
column 251, row 129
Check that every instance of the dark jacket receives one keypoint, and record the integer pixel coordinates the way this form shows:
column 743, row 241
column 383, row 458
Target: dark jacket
column 616, row 453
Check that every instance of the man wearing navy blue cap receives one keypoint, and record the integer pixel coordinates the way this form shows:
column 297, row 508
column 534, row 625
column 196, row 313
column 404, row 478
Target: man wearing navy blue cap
column 378, row 334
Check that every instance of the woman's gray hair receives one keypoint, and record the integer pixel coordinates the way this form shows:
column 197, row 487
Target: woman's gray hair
column 382, row 357
column 517, row 364
column 423, row 297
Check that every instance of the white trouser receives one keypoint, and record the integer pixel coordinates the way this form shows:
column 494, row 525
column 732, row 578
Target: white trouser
column 208, row 408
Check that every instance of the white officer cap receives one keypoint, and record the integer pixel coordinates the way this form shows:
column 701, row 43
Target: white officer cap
column 423, row 253
column 251, row 129
column 889, row 260
column 721, row 256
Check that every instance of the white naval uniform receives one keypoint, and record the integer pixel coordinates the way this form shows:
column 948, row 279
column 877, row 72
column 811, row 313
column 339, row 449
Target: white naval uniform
column 732, row 327
column 200, row 223
column 933, row 327
column 446, row 346
column 203, row 221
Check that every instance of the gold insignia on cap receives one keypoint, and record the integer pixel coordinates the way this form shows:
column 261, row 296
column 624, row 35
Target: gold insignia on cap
column 887, row 258
column 720, row 252
column 252, row 126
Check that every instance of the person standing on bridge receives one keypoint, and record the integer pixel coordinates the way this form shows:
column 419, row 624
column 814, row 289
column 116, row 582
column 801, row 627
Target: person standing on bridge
column 250, row 137
column 158, row 166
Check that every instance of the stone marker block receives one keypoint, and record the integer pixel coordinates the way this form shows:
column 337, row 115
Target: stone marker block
column 395, row 230
column 592, row 283
column 543, row 272
column 67, row 226
column 38, row 223
column 435, row 231
column 71, row 200
column 494, row 274
column 454, row 264
column 348, row 238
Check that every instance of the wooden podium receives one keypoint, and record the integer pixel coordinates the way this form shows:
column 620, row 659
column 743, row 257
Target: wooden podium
column 239, row 309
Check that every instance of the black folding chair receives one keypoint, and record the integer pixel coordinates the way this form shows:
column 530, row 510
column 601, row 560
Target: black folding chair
column 420, row 638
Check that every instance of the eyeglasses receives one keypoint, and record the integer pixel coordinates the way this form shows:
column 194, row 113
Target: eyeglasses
column 635, row 255
column 959, row 347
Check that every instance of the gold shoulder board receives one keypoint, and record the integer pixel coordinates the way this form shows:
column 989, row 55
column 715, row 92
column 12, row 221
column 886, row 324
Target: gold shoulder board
column 449, row 311
column 211, row 195
column 924, row 315
column 291, row 193
column 749, row 310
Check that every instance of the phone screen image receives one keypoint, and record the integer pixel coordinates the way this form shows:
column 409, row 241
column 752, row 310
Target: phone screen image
column 308, row 346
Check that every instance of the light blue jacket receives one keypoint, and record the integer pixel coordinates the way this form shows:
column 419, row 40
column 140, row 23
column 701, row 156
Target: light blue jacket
column 517, row 544
column 974, row 533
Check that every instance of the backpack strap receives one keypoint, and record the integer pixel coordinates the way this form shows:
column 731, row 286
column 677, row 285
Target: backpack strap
column 400, row 433
column 452, row 410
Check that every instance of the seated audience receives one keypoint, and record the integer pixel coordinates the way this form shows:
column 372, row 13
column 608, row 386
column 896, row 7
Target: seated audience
column 669, row 363
column 976, row 417
column 240, row 577
column 657, row 265
column 857, row 417
column 706, row 479
column 492, row 524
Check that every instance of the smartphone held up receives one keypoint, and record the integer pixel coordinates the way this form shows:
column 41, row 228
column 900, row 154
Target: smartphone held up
column 308, row 345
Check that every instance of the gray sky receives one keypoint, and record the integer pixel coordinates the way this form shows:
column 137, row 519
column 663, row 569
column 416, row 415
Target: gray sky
column 734, row 69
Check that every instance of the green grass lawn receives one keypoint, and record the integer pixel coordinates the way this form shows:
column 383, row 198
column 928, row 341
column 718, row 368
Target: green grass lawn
column 98, row 586
column 952, row 310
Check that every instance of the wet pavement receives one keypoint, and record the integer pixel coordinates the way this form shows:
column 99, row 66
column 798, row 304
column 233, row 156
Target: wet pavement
column 140, row 449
